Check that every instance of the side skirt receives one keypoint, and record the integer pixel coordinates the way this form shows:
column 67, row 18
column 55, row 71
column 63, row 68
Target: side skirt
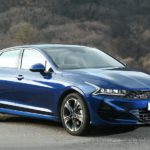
column 26, row 111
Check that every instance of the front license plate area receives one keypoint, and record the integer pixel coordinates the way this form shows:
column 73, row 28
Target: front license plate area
column 148, row 106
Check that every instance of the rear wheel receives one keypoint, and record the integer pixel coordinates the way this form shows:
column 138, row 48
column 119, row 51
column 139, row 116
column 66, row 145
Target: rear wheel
column 74, row 114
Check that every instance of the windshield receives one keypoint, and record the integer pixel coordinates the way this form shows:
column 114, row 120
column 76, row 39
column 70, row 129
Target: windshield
column 79, row 57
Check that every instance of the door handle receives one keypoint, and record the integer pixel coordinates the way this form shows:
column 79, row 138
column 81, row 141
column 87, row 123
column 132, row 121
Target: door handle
column 20, row 77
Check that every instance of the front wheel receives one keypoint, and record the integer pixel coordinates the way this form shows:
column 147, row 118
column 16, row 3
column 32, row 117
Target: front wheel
column 74, row 114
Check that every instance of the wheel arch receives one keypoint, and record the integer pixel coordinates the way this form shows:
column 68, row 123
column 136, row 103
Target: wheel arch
column 69, row 91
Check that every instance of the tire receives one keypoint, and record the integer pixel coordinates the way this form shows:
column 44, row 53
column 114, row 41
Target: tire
column 75, row 115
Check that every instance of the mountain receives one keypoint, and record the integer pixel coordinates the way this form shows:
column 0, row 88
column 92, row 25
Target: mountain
column 120, row 28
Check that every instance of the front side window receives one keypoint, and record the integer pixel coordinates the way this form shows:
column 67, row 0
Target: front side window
column 32, row 57
column 9, row 59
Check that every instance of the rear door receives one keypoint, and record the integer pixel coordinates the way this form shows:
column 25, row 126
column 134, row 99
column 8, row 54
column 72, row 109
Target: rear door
column 9, row 62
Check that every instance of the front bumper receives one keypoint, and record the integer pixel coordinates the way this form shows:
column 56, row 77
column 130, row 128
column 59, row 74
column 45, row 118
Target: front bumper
column 117, row 111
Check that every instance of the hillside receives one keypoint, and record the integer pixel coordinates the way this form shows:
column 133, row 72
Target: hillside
column 120, row 27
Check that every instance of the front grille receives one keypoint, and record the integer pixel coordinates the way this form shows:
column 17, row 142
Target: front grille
column 138, row 95
column 144, row 115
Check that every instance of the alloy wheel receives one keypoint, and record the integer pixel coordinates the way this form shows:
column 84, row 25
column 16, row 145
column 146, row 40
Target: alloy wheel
column 73, row 114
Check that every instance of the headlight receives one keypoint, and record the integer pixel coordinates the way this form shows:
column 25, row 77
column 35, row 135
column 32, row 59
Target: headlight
column 107, row 91
column 103, row 91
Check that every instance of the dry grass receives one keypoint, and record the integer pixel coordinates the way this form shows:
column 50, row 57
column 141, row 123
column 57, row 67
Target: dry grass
column 120, row 28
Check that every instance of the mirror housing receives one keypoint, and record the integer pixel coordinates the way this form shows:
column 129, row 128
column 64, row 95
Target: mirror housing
column 37, row 68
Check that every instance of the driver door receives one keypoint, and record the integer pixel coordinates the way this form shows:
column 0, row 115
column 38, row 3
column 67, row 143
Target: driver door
column 34, row 90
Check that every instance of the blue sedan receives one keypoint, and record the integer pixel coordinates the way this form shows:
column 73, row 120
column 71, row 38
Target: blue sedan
column 76, row 85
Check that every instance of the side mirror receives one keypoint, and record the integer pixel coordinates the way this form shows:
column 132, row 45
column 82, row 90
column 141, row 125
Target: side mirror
column 37, row 68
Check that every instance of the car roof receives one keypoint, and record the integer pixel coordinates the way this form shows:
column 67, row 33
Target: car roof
column 39, row 46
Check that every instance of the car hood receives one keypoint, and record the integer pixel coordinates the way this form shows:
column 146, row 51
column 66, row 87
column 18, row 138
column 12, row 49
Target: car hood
column 114, row 78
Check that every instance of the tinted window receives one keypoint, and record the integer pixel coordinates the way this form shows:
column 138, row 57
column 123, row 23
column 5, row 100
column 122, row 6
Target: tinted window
column 9, row 59
column 80, row 57
column 32, row 57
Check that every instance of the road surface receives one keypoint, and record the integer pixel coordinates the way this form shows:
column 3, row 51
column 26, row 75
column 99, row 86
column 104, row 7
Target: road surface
column 29, row 134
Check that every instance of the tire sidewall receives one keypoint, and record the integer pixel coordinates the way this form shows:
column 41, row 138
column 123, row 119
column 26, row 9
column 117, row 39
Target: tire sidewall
column 83, row 129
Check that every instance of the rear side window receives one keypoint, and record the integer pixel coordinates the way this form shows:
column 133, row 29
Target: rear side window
column 9, row 59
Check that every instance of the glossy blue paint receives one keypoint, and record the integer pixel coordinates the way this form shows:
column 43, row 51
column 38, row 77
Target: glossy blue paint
column 37, row 68
column 37, row 92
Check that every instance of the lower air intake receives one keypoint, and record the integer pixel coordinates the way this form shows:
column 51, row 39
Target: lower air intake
column 144, row 115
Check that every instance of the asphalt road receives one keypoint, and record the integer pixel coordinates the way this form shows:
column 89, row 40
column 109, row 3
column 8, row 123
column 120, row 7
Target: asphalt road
column 29, row 134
